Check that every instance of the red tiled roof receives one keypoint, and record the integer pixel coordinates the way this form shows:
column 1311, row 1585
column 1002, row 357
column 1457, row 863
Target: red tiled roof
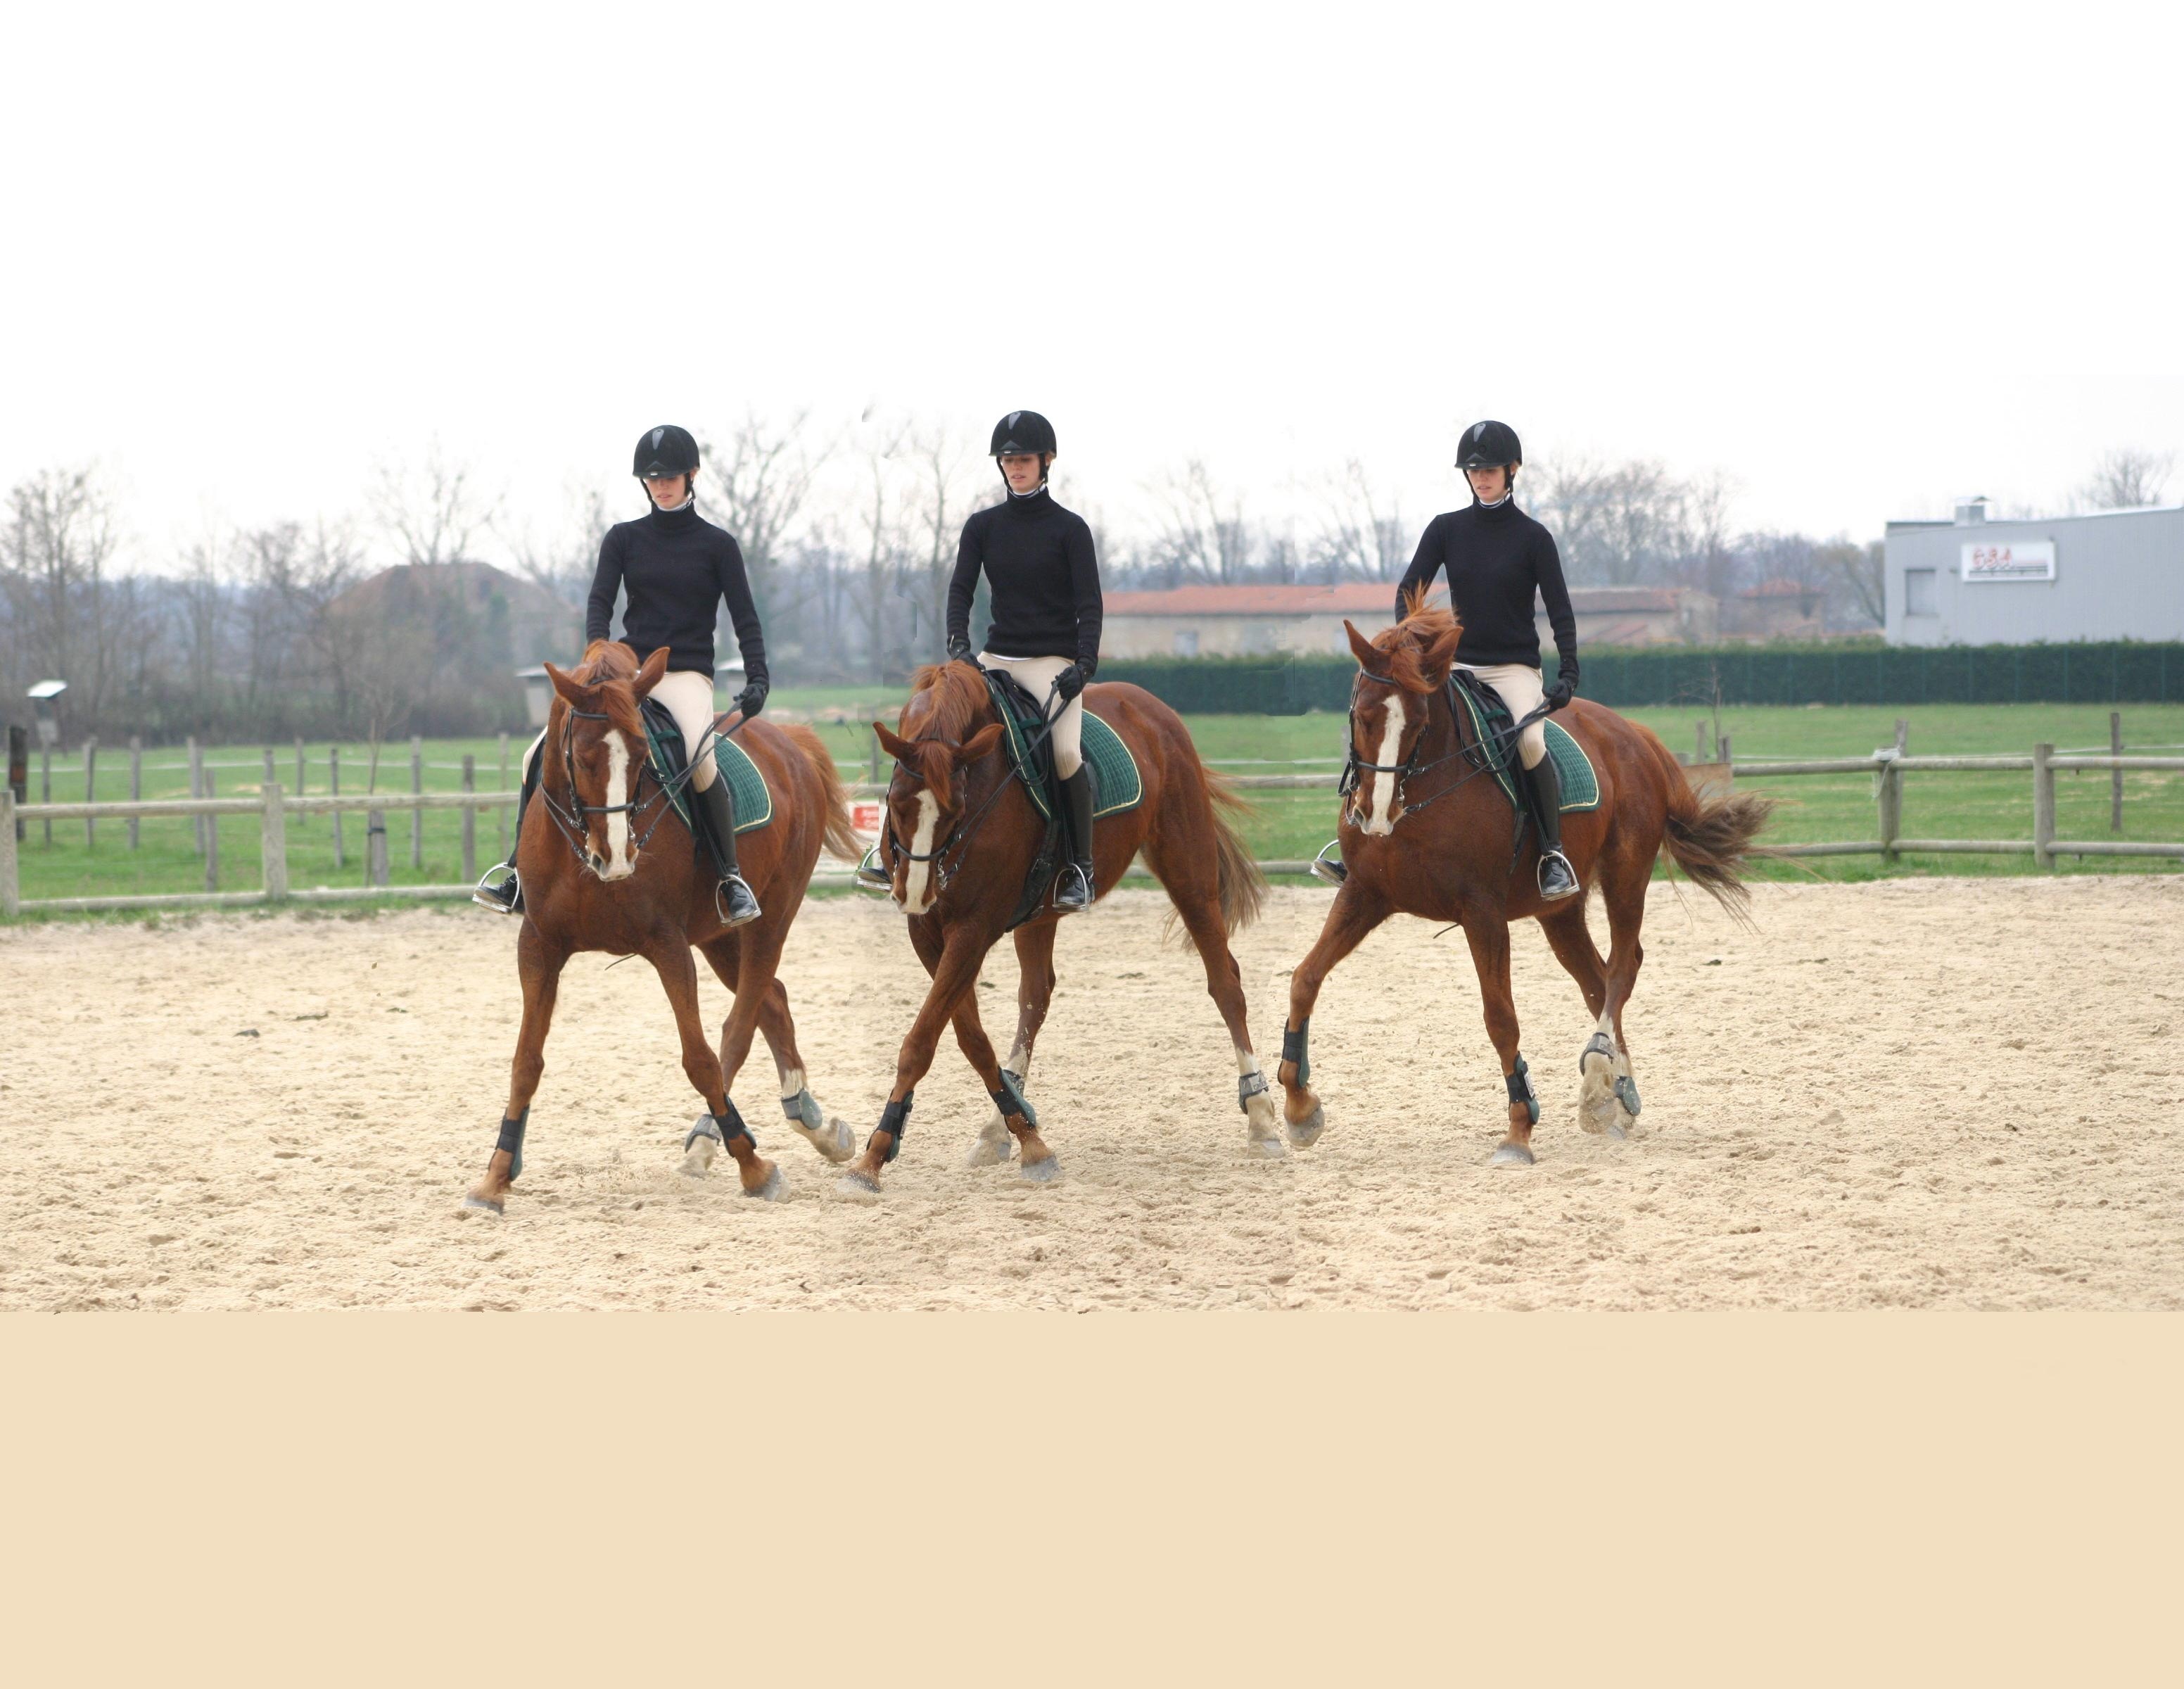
column 1611, row 600
column 1351, row 598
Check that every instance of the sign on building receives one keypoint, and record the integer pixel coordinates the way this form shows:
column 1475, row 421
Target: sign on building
column 2022, row 559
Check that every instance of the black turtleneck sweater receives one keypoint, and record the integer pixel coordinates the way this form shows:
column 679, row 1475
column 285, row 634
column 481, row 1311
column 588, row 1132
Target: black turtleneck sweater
column 676, row 567
column 1045, row 581
column 1496, row 559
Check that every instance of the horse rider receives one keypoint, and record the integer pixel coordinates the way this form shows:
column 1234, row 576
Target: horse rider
column 1036, row 558
column 1496, row 558
column 676, row 568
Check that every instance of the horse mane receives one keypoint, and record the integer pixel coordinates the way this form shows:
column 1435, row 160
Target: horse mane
column 1425, row 629
column 953, row 698
column 605, row 663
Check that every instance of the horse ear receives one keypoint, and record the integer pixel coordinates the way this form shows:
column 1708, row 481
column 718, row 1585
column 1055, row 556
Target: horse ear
column 980, row 743
column 894, row 744
column 1434, row 663
column 1372, row 661
column 575, row 694
column 649, row 677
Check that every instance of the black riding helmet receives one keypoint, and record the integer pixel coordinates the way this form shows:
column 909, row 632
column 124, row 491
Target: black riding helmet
column 1488, row 443
column 665, row 450
column 1023, row 430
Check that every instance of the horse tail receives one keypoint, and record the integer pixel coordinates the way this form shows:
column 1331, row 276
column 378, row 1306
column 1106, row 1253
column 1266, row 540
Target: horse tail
column 840, row 836
column 1710, row 838
column 1243, row 888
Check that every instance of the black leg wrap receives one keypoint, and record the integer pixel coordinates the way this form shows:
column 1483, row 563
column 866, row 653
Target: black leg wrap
column 893, row 1118
column 1248, row 1085
column 1521, row 1090
column 731, row 1124
column 511, row 1139
column 1293, row 1049
column 1011, row 1099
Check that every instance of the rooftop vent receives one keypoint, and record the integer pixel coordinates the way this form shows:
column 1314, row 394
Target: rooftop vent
column 1972, row 511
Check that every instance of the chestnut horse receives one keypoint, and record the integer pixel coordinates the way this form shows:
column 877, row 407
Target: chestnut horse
column 961, row 835
column 593, row 879
column 1424, row 833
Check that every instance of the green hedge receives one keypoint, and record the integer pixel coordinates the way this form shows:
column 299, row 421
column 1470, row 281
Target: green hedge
column 2117, row 672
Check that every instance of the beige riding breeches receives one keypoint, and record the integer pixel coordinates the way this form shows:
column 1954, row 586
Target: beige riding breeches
column 1036, row 676
column 1518, row 685
column 689, row 695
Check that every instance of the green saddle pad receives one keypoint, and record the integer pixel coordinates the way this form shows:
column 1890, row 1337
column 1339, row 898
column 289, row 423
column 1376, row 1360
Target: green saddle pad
column 746, row 785
column 1580, row 784
column 1117, row 784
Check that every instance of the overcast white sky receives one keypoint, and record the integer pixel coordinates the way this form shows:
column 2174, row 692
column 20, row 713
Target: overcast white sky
column 1859, row 259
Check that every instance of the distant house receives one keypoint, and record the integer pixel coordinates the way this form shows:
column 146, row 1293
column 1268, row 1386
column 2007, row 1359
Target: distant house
column 486, row 602
column 1264, row 620
column 1776, row 609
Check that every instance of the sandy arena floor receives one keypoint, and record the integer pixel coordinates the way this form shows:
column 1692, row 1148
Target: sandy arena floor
column 1962, row 1094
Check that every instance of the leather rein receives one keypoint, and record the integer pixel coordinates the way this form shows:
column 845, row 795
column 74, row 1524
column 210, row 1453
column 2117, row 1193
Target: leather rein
column 959, row 837
column 573, row 820
column 1474, row 753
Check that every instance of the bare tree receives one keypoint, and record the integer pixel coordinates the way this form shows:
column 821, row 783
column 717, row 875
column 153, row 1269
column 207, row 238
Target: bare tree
column 942, row 461
column 1202, row 535
column 2127, row 478
column 1364, row 535
column 54, row 555
column 564, row 560
column 764, row 475
column 1859, row 568
column 432, row 511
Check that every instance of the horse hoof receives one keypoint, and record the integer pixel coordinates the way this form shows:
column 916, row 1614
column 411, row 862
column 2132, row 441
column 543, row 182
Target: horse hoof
column 1040, row 1172
column 773, row 1189
column 697, row 1159
column 485, row 1205
column 1511, row 1155
column 858, row 1187
column 986, row 1151
column 1305, row 1133
column 1267, row 1149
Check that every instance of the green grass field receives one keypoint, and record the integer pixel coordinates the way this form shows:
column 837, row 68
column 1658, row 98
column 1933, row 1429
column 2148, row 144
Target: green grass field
column 1284, row 825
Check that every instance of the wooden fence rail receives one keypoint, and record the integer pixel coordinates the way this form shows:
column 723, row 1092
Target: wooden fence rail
column 275, row 809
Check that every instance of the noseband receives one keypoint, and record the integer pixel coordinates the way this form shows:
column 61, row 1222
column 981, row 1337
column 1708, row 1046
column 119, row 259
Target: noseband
column 1354, row 768
column 959, row 837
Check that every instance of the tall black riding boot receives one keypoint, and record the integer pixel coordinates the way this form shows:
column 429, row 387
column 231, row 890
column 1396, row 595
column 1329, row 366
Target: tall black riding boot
column 1074, row 890
column 1556, row 877
column 732, row 898
column 505, row 895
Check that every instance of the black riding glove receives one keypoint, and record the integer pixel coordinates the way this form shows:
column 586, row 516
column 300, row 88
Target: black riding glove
column 1069, row 682
column 958, row 650
column 752, row 698
column 1559, row 694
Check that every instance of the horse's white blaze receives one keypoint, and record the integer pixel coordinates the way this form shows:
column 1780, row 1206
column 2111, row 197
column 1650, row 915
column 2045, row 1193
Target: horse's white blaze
column 917, row 892
column 1380, row 819
column 619, row 865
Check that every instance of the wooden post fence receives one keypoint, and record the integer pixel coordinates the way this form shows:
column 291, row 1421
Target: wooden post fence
column 211, row 824
column 198, row 790
column 2116, row 775
column 469, row 820
column 375, row 839
column 11, row 901
column 333, row 787
column 416, row 816
column 90, row 789
column 302, row 785
column 2043, row 807
column 136, row 782
column 46, row 787
column 267, row 778
column 273, row 843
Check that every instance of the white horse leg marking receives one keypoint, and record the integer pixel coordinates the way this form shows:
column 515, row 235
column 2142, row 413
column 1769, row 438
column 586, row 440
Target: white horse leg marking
column 916, row 894
column 1380, row 817
column 792, row 1083
column 994, row 1145
column 619, row 865
column 1598, row 1109
column 1263, row 1121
